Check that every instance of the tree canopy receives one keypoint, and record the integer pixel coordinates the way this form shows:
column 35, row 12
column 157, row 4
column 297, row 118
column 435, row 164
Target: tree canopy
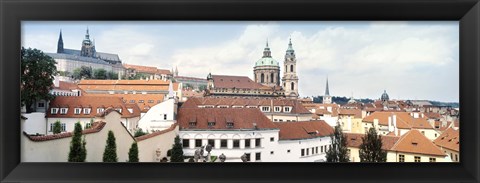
column 177, row 151
column 133, row 153
column 338, row 152
column 78, row 152
column 371, row 147
column 37, row 75
column 110, row 153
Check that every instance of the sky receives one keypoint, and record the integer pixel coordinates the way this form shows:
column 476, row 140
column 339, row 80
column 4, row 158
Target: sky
column 415, row 60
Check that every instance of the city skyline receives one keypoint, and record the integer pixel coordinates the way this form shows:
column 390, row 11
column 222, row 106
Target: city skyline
column 410, row 60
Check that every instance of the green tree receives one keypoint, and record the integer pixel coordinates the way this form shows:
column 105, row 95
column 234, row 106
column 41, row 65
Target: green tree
column 338, row 152
column 110, row 153
column 37, row 75
column 99, row 74
column 57, row 127
column 78, row 152
column 371, row 147
column 139, row 133
column 133, row 153
column 112, row 75
column 177, row 151
column 83, row 72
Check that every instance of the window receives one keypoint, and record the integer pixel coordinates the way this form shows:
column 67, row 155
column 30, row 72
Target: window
column 303, row 152
column 401, row 158
column 229, row 124
column 288, row 151
column 248, row 157
column 159, row 101
column 433, row 159
column 265, row 109
column 272, row 139
column 63, row 127
column 198, row 142
column 247, row 143
column 88, row 125
column 186, row 142
column 258, row 156
column 211, row 124
column 119, row 110
column 211, row 142
column 151, row 101
column 236, row 143
column 54, row 110
column 258, row 142
column 287, row 109
column 321, row 149
column 308, row 151
column 316, row 150
column 417, row 159
column 313, row 150
column 192, row 124
column 271, row 152
column 100, row 110
column 291, row 68
column 86, row 110
column 132, row 101
column 277, row 109
column 141, row 101
column 165, row 117
column 456, row 157
column 223, row 143
column 292, row 86
column 41, row 105
column 63, row 110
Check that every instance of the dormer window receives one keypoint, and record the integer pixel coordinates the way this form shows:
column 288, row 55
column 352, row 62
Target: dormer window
column 192, row 124
column 277, row 109
column 86, row 110
column 287, row 109
column 100, row 110
column 63, row 110
column 78, row 110
column 141, row 101
column 211, row 124
column 54, row 110
column 119, row 110
column 265, row 109
column 229, row 124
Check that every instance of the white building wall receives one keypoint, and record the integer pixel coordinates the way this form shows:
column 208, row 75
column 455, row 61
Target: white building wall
column 36, row 123
column 154, row 119
column 233, row 154
column 147, row 149
column 57, row 150
column 70, row 122
column 332, row 121
column 282, row 153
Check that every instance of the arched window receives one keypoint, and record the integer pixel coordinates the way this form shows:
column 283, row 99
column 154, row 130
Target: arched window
column 286, row 66
column 292, row 86
column 271, row 78
column 291, row 68
column 262, row 78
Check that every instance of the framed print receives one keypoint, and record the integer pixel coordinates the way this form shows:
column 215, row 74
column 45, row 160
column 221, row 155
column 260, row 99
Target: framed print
column 199, row 91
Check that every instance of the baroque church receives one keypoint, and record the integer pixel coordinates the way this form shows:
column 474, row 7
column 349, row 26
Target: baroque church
column 266, row 82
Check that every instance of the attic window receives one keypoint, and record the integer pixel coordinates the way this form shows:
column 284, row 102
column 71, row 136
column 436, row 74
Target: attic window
column 63, row 110
column 100, row 110
column 54, row 110
column 229, row 124
column 192, row 124
column 211, row 124
column 86, row 110
column 414, row 143
column 78, row 110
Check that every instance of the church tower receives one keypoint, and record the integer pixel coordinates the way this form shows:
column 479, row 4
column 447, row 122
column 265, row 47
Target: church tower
column 88, row 48
column 60, row 43
column 327, row 99
column 290, row 78
column 267, row 70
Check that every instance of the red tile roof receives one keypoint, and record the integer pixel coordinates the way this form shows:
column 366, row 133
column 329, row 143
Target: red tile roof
column 355, row 140
column 63, row 85
column 242, row 118
column 297, row 107
column 147, row 69
column 357, row 113
column 92, row 102
column 404, row 120
column 96, row 127
column 303, row 129
column 449, row 139
column 415, row 142
column 242, row 82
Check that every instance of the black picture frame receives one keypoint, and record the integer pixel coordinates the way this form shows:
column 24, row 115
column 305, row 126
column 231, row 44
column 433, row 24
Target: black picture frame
column 13, row 12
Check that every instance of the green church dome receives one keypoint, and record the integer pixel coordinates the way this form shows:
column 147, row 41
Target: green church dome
column 266, row 61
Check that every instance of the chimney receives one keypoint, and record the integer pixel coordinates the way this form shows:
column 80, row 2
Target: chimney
column 375, row 123
column 395, row 124
column 390, row 126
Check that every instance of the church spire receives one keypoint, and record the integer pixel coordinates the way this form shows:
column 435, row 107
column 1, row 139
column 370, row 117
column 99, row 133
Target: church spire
column 60, row 43
column 327, row 92
column 266, row 51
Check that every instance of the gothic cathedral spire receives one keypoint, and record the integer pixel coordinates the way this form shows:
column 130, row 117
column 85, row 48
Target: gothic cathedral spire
column 327, row 99
column 290, row 78
column 60, row 43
